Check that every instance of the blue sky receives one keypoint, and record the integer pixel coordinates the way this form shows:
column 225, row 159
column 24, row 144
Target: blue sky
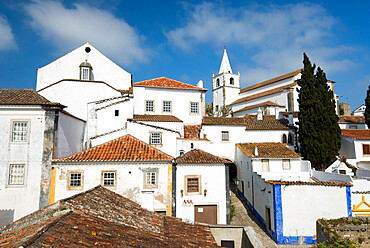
column 184, row 40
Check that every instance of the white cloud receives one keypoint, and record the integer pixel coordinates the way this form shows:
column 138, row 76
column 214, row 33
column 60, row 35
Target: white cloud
column 67, row 28
column 273, row 36
column 7, row 41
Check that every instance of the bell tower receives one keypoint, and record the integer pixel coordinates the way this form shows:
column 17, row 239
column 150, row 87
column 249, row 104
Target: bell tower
column 225, row 85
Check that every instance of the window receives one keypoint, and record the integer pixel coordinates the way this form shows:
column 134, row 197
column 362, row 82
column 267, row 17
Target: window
column 85, row 73
column 232, row 81
column 216, row 107
column 225, row 135
column 155, row 138
column 166, row 106
column 16, row 174
column 366, row 149
column 290, row 139
column 151, row 178
column 192, row 184
column 149, row 106
column 194, row 108
column 265, row 165
column 109, row 178
column 20, row 131
column 75, row 180
column 284, row 139
column 217, row 82
column 228, row 243
column 352, row 126
column 116, row 112
column 286, row 164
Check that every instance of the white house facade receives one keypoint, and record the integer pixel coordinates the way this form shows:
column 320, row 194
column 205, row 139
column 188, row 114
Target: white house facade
column 356, row 147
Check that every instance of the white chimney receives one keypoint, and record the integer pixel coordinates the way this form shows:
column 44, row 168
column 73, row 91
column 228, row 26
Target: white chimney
column 276, row 112
column 291, row 118
column 200, row 84
column 259, row 114
column 255, row 151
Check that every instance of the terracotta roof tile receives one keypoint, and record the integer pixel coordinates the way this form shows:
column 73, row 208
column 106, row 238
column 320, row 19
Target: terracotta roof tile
column 357, row 133
column 267, row 150
column 275, row 124
column 329, row 183
column 197, row 156
column 271, row 81
column 167, row 83
column 156, row 118
column 264, row 93
column 344, row 119
column 23, row 97
column 126, row 148
column 268, row 103
column 192, row 131
column 250, row 122
column 100, row 217
column 286, row 114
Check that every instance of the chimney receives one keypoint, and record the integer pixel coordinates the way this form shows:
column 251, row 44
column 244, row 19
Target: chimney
column 291, row 119
column 276, row 113
column 255, row 151
column 200, row 84
column 259, row 114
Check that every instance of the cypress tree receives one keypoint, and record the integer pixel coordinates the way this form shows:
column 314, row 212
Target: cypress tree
column 319, row 132
column 367, row 110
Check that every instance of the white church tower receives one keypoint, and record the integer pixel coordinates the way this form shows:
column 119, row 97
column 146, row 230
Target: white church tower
column 226, row 85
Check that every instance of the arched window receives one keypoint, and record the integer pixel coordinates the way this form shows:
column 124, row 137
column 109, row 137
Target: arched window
column 284, row 139
column 290, row 139
column 217, row 82
column 232, row 81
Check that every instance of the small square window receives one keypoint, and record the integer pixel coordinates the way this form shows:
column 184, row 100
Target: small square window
column 20, row 131
column 149, row 106
column 155, row 138
column 225, row 135
column 75, row 180
column 366, row 149
column 116, row 112
column 109, row 178
column 194, row 108
column 151, row 178
column 16, row 174
column 166, row 106
column 192, row 184
column 286, row 164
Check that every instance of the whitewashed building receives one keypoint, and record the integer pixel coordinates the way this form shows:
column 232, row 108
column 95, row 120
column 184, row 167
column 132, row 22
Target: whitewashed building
column 126, row 165
column 359, row 111
column 34, row 130
column 352, row 122
column 201, row 188
column 356, row 147
column 281, row 189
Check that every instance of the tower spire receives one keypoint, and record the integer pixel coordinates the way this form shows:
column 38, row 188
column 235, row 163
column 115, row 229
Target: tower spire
column 225, row 64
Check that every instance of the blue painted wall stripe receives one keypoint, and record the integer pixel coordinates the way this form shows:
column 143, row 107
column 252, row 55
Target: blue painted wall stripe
column 349, row 200
column 278, row 214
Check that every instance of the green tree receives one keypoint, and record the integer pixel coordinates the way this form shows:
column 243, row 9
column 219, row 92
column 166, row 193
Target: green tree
column 319, row 132
column 367, row 110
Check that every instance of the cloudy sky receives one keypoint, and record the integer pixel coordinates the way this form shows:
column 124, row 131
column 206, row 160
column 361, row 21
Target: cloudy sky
column 184, row 40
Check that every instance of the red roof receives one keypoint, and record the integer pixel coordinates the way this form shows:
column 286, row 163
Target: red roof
column 357, row 133
column 24, row 97
column 351, row 119
column 156, row 118
column 197, row 156
column 101, row 218
column 164, row 82
column 126, row 149
column 268, row 103
column 267, row 150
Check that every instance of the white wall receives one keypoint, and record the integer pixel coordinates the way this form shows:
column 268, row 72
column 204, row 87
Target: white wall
column 67, row 67
column 180, row 102
column 360, row 189
column 349, row 126
column 130, row 180
column 213, row 179
column 23, row 198
column 69, row 135
column 77, row 94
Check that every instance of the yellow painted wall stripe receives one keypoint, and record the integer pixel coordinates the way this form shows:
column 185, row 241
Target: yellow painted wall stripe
column 169, row 191
column 52, row 187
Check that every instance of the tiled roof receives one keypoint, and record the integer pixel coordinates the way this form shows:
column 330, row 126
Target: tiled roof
column 129, row 91
column 268, row 103
column 126, row 148
column 344, row 119
column 357, row 133
column 267, row 150
column 192, row 131
column 101, row 218
column 241, row 121
column 267, row 124
column 167, row 83
column 329, row 183
column 265, row 93
column 23, row 97
column 156, row 118
column 197, row 156
column 286, row 114
column 271, row 81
